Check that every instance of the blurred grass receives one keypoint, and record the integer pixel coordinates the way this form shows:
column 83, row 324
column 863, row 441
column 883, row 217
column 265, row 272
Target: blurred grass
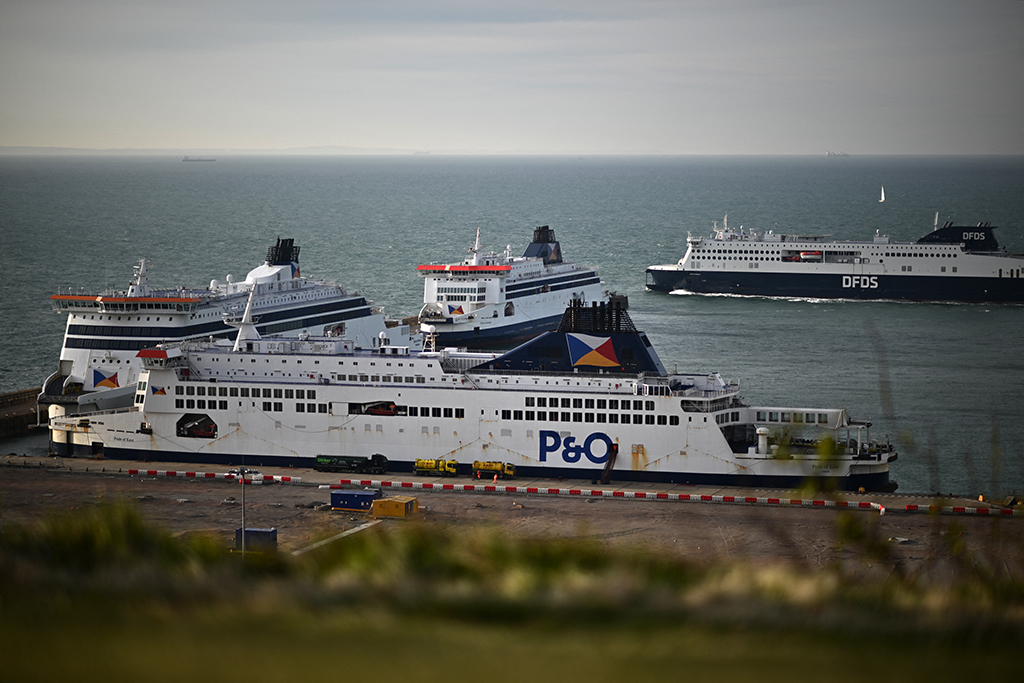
column 101, row 596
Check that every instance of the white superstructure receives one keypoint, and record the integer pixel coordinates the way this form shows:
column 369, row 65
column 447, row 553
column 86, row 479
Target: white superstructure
column 590, row 400
column 104, row 332
column 497, row 300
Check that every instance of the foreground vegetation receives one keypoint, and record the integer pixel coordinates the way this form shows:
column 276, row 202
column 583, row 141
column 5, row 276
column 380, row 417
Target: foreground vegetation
column 103, row 596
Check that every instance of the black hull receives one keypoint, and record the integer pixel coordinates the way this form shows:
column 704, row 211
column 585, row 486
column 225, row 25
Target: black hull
column 878, row 482
column 837, row 286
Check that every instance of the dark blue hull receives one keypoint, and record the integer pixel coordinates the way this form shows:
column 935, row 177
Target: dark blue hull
column 869, row 482
column 836, row 286
column 505, row 337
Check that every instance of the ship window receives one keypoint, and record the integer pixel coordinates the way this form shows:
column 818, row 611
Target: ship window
column 613, row 418
column 190, row 391
column 577, row 417
column 822, row 418
column 577, row 403
column 785, row 417
column 773, row 417
column 588, row 417
column 289, row 393
column 300, row 394
column 278, row 407
column 529, row 401
column 541, row 402
column 566, row 417
column 613, row 404
column 448, row 412
column 179, row 390
column 435, row 412
column 637, row 405
column 300, row 407
column 673, row 420
column 602, row 418
column 529, row 416
column 277, row 393
column 648, row 405
column 601, row 404
column 517, row 415
column 542, row 415
column 638, row 419
column 565, row 403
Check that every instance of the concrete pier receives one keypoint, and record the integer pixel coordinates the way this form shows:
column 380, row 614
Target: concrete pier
column 18, row 412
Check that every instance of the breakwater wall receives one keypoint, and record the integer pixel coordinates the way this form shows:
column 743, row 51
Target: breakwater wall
column 18, row 412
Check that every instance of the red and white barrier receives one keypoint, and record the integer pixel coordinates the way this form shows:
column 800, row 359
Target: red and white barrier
column 687, row 497
column 252, row 479
column 606, row 493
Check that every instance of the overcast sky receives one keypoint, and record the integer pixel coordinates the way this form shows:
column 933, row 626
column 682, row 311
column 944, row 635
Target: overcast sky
column 546, row 76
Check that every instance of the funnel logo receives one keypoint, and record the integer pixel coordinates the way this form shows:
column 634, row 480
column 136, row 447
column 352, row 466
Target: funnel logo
column 585, row 349
column 107, row 381
column 455, row 310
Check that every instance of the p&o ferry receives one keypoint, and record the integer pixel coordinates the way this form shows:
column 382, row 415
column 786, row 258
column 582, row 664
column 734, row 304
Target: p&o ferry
column 952, row 263
column 589, row 400
column 98, row 361
column 494, row 301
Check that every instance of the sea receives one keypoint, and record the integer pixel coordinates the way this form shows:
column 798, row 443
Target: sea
column 944, row 382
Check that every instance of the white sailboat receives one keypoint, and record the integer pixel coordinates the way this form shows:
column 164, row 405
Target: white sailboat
column 883, row 195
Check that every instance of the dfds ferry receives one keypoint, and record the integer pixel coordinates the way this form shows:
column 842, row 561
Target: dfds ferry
column 952, row 263
column 590, row 400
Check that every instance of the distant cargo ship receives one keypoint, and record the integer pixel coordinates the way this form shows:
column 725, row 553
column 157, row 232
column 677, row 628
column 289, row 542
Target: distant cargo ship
column 196, row 159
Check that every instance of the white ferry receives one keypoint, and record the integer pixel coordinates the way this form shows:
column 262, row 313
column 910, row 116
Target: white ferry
column 591, row 400
column 952, row 263
column 497, row 300
column 98, row 364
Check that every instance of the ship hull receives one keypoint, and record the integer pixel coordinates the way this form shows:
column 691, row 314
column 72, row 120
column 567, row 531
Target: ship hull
column 840, row 286
column 496, row 337
column 869, row 480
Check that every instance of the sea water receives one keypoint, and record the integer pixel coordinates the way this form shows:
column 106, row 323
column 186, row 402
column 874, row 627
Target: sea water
column 942, row 381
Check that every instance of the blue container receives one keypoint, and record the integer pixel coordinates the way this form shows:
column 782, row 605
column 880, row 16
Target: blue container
column 354, row 501
column 262, row 540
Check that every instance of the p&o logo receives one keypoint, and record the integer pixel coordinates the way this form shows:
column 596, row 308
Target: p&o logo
column 861, row 281
column 552, row 442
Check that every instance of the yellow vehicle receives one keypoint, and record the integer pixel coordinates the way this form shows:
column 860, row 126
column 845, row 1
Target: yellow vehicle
column 445, row 468
column 486, row 469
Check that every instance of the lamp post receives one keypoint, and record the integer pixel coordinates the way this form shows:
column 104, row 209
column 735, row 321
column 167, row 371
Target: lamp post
column 242, row 474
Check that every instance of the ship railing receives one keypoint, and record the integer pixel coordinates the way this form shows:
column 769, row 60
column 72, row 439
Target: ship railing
column 96, row 413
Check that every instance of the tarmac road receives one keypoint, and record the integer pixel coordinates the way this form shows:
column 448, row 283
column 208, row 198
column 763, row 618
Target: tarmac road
column 704, row 532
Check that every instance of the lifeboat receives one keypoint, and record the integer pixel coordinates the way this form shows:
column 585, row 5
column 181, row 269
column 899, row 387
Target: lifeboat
column 810, row 255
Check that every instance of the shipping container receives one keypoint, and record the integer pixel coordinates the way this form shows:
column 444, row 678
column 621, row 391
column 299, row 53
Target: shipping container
column 395, row 506
column 354, row 501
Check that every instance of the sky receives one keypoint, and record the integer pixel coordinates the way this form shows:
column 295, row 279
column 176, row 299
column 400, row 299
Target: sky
column 682, row 77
